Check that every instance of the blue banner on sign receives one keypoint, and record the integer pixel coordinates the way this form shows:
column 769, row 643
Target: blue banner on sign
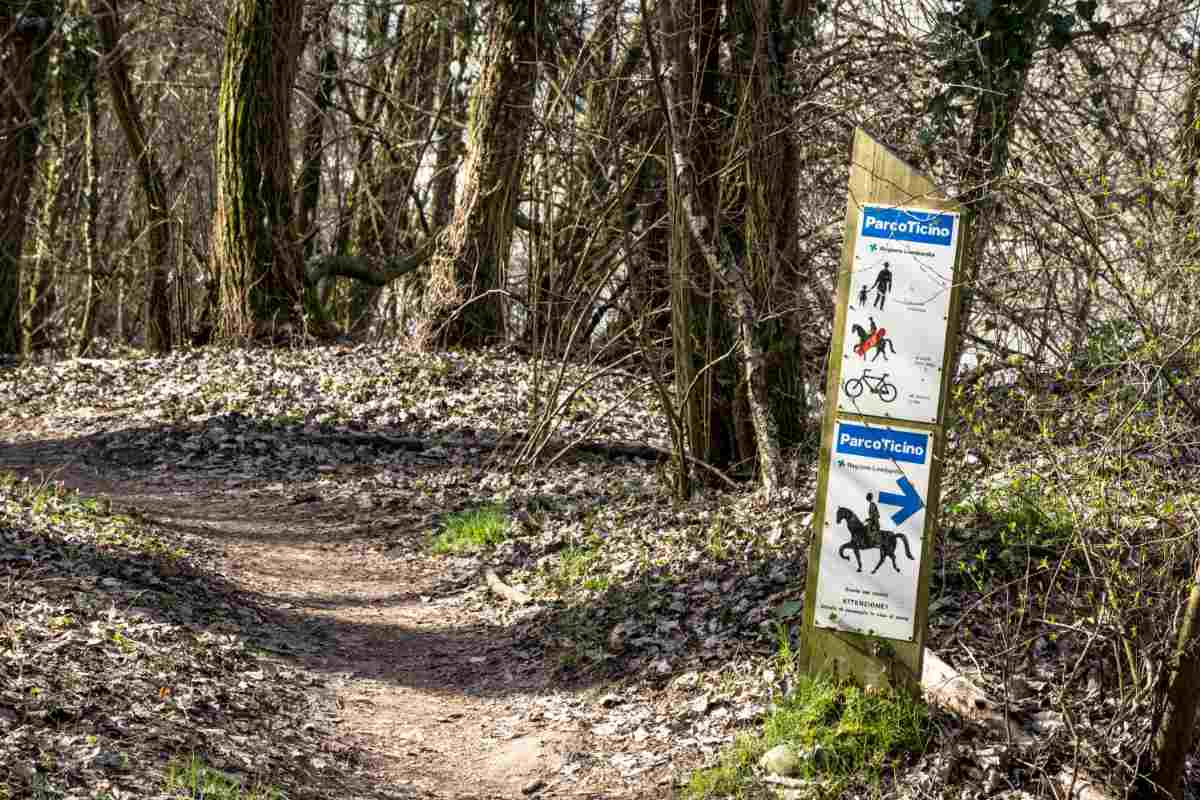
column 907, row 225
column 881, row 443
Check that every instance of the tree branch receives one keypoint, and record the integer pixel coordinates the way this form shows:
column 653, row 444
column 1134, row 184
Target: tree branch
column 368, row 270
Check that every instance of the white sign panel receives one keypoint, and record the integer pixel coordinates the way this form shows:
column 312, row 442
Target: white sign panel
column 874, row 526
column 899, row 308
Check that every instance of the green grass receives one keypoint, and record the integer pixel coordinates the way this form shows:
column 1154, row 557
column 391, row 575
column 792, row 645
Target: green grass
column 197, row 781
column 577, row 567
column 862, row 734
column 472, row 531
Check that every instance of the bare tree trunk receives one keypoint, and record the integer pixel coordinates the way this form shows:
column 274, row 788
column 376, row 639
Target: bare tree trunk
column 742, row 283
column 313, row 153
column 767, row 204
column 1185, row 203
column 24, row 61
column 314, row 137
column 698, row 325
column 389, row 223
column 1174, row 737
column 158, row 219
column 43, row 294
column 256, row 251
column 446, row 130
column 469, row 269
column 120, row 323
column 91, row 201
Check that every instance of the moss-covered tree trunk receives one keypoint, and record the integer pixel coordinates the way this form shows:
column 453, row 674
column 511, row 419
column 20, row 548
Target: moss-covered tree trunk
column 256, row 250
column 1008, row 44
column 764, row 202
column 463, row 303
column 25, row 29
column 106, row 14
column 733, row 261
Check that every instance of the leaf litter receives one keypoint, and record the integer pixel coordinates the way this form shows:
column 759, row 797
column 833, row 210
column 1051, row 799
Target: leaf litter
column 652, row 635
column 122, row 655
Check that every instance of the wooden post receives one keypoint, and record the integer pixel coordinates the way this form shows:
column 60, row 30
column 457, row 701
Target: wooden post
column 882, row 438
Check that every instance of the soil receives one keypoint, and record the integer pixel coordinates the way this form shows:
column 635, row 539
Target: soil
column 440, row 698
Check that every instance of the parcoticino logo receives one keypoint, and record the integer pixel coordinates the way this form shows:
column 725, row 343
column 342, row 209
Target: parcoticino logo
column 906, row 226
column 923, row 227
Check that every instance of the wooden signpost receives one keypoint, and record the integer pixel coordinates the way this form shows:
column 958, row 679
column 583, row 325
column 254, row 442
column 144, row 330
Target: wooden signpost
column 882, row 439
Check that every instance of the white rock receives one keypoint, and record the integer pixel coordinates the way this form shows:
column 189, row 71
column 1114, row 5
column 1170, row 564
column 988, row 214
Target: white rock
column 780, row 760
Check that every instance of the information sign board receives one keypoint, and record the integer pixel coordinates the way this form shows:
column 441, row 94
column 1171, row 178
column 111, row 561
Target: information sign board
column 873, row 531
column 879, row 476
column 894, row 341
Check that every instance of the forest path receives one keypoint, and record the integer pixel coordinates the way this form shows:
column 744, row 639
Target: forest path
column 444, row 701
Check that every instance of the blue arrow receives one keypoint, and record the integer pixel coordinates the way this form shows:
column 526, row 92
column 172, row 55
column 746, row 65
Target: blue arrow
column 910, row 502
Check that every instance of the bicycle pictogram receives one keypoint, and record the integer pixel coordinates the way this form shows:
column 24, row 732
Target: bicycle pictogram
column 875, row 384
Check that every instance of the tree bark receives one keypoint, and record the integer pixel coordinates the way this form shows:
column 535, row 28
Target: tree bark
column 742, row 280
column 462, row 300
column 150, row 176
column 91, row 202
column 24, row 60
column 766, row 203
column 447, row 132
column 314, row 138
column 313, row 153
column 1174, row 737
column 256, row 251
column 1185, row 200
column 43, row 294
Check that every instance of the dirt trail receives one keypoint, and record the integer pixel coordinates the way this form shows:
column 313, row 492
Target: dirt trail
column 426, row 685
column 420, row 687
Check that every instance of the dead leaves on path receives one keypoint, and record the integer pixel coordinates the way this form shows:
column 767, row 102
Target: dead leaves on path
column 119, row 657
